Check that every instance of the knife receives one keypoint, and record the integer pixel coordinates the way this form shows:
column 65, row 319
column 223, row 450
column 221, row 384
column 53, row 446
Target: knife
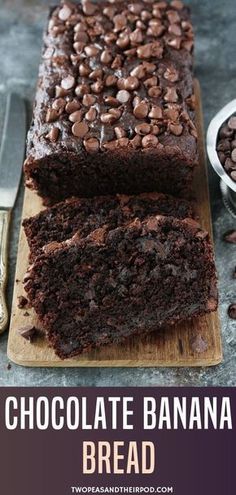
column 11, row 159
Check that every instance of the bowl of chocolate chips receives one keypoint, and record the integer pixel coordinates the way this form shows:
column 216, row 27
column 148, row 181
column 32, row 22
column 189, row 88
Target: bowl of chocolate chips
column 221, row 149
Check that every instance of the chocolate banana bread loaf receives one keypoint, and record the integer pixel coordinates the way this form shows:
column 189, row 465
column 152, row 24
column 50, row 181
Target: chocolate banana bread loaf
column 122, row 282
column 115, row 108
column 83, row 215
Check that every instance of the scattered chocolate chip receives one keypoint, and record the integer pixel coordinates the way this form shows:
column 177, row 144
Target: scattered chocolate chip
column 82, row 89
column 171, row 95
column 154, row 92
column 97, row 87
column 68, row 82
column 233, row 155
column 230, row 236
column 232, row 123
column 176, row 129
column 53, row 135
column 84, row 70
column 138, row 72
column 28, row 332
column 91, row 145
column 111, row 101
column 91, row 114
column 120, row 22
column 22, row 302
column 119, row 132
column 9, row 366
column 155, row 113
column 149, row 141
column 232, row 311
column 171, row 74
column 76, row 116
column 143, row 129
column 88, row 100
column 72, row 106
column 64, row 13
column 106, row 57
column 123, row 96
column 59, row 104
column 150, row 82
column 131, row 83
column 51, row 115
column 91, row 51
column 141, row 110
column 80, row 129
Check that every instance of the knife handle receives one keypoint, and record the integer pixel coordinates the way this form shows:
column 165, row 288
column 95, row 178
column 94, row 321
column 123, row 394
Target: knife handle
column 4, row 228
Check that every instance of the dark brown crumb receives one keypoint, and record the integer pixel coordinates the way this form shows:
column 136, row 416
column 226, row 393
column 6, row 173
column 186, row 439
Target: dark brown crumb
column 22, row 302
column 26, row 313
column 230, row 236
column 28, row 332
column 9, row 366
column 232, row 311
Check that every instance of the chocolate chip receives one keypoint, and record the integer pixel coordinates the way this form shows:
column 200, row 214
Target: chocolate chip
column 111, row 80
column 172, row 16
column 123, row 96
column 141, row 110
column 82, row 89
column 97, row 87
column 233, row 155
column 78, row 47
column 51, row 115
column 230, row 236
column 232, row 123
column 233, row 176
column 155, row 91
column 80, row 129
column 177, row 4
column 111, row 101
column 96, row 74
column 117, row 62
column 171, row 74
column 88, row 100
column 151, row 81
column 64, row 13
column 76, row 116
column 22, row 302
column 68, row 82
column 145, row 51
column 131, row 83
column 91, row 114
column 84, row 70
column 108, row 118
column 225, row 132
column 155, row 113
column 72, row 106
column 123, row 41
column 106, row 57
column 149, row 141
column 176, row 129
column 143, row 129
column 171, row 95
column 91, row 51
column 135, row 8
column 59, row 104
column 174, row 29
column 81, row 37
column 232, row 311
column 136, row 142
column 53, row 135
column 136, row 37
column 174, row 42
column 109, row 38
column 91, row 145
column 89, row 8
column 28, row 332
column 120, row 22
column 119, row 132
column 138, row 72
column 228, row 164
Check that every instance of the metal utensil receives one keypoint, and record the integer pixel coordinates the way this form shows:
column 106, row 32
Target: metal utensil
column 227, row 185
column 11, row 159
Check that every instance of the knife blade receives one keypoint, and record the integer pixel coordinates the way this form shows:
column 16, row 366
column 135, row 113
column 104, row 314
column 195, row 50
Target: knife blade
column 11, row 159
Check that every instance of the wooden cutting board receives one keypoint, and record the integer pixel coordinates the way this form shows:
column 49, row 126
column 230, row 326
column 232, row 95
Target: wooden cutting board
column 196, row 343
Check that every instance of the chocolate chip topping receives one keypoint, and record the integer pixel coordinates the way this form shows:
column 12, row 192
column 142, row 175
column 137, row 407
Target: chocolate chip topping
column 117, row 59
column 226, row 147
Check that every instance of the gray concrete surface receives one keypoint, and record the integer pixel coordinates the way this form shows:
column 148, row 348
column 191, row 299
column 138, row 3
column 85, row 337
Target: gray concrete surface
column 21, row 24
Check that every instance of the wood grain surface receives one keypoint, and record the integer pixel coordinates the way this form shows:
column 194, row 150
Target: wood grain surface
column 193, row 343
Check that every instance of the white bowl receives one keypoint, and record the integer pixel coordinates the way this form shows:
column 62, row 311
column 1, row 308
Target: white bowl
column 228, row 186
